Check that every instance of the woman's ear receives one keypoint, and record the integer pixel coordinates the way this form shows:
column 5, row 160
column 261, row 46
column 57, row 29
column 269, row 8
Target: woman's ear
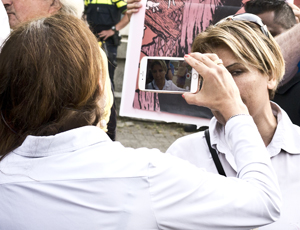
column 55, row 6
column 272, row 82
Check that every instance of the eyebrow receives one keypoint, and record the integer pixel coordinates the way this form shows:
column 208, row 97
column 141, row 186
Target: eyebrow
column 233, row 65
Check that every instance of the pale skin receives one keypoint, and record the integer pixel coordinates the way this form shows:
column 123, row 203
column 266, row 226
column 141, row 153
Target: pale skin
column 23, row 10
column 253, row 87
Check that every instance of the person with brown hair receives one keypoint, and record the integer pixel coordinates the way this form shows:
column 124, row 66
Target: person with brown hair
column 58, row 170
column 255, row 62
column 22, row 11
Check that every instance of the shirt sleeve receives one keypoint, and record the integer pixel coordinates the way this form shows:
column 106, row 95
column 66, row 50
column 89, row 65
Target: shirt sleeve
column 186, row 197
column 122, row 5
column 4, row 24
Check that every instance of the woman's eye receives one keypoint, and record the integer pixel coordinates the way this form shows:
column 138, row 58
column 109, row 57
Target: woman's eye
column 236, row 73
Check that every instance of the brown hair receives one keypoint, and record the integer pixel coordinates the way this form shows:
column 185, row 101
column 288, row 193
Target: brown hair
column 248, row 44
column 161, row 63
column 50, row 70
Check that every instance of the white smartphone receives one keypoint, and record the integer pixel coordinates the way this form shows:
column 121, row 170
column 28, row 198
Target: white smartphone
column 167, row 75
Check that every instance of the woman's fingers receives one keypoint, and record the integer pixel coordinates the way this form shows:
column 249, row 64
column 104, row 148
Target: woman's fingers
column 212, row 73
column 133, row 6
column 219, row 91
column 209, row 59
column 205, row 64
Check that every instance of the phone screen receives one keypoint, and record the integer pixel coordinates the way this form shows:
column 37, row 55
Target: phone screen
column 168, row 75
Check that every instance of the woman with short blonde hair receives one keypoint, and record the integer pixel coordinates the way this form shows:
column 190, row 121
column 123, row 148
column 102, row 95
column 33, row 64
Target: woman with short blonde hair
column 250, row 47
column 253, row 58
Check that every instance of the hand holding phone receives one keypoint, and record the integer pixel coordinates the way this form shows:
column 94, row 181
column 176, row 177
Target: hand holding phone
column 219, row 91
column 167, row 75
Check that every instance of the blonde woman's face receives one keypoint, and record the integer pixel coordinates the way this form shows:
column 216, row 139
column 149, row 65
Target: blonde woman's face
column 158, row 72
column 253, row 85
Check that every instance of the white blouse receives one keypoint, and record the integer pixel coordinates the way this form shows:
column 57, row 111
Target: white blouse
column 80, row 179
column 284, row 151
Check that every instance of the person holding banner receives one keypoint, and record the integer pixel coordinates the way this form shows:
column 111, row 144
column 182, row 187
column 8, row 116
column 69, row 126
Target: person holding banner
column 254, row 60
column 58, row 170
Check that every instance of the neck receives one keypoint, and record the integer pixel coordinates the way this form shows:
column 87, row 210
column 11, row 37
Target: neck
column 266, row 123
column 160, row 83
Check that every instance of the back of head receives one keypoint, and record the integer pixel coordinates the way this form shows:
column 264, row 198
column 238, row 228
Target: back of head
column 284, row 14
column 50, row 70
column 72, row 7
column 248, row 44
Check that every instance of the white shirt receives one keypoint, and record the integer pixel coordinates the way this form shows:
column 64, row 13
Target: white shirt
column 169, row 85
column 80, row 179
column 284, row 151
column 4, row 24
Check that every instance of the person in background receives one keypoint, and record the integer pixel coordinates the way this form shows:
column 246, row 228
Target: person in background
column 4, row 26
column 278, row 16
column 254, row 60
column 20, row 11
column 58, row 170
column 106, row 20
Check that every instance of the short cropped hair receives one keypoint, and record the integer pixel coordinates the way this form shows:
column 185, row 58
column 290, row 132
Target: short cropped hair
column 283, row 13
column 72, row 7
column 161, row 63
column 248, row 44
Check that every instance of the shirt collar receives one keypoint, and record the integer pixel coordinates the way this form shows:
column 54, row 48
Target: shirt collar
column 218, row 141
column 71, row 140
column 286, row 136
column 156, row 87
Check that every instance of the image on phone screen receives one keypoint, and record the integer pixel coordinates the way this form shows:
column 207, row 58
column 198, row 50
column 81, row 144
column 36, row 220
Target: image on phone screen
column 166, row 74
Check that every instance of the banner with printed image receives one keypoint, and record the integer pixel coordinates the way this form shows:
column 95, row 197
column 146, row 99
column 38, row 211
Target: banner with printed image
column 168, row 29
